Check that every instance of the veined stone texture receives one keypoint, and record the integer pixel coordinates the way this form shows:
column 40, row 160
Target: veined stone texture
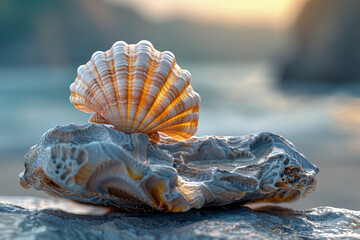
column 99, row 165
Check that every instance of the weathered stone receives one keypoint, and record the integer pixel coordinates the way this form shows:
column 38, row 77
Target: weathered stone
column 99, row 165
column 36, row 218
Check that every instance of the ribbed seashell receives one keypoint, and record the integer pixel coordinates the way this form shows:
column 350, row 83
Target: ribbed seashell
column 137, row 89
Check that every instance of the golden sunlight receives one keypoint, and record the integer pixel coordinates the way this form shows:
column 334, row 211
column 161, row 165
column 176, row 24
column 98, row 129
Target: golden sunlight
column 275, row 14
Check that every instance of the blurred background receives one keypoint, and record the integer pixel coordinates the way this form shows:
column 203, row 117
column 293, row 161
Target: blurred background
column 289, row 67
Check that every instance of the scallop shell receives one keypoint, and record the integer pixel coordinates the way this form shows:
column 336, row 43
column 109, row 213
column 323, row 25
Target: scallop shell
column 137, row 89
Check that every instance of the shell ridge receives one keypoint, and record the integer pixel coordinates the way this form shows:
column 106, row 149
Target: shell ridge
column 180, row 125
column 145, row 129
column 146, row 96
column 98, row 70
column 97, row 118
column 150, row 97
column 120, row 69
column 130, row 79
column 93, row 82
column 179, row 116
column 181, row 131
column 174, row 105
column 173, row 102
column 184, row 129
column 121, row 52
column 153, row 64
column 77, row 99
column 91, row 90
column 80, row 81
column 99, row 84
column 141, row 70
column 80, row 103
column 162, row 94
column 109, row 55
column 148, row 116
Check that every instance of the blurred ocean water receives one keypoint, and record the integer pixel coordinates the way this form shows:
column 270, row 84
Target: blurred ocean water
column 237, row 99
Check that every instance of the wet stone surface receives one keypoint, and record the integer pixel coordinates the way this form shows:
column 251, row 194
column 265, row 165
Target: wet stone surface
column 40, row 218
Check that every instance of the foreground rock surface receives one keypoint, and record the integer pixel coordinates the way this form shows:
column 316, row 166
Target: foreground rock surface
column 37, row 218
column 99, row 165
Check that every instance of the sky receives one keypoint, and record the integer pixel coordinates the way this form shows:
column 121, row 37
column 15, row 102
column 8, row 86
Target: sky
column 278, row 14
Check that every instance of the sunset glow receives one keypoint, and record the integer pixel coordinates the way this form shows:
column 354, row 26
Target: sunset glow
column 276, row 14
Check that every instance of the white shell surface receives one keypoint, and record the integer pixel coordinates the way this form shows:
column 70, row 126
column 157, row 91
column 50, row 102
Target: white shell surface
column 137, row 88
column 99, row 165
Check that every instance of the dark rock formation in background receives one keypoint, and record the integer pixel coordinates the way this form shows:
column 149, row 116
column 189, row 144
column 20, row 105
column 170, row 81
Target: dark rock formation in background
column 326, row 44
column 57, row 32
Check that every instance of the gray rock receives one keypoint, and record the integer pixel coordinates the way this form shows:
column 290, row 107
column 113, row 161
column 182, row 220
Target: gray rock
column 35, row 218
column 102, row 166
column 325, row 44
